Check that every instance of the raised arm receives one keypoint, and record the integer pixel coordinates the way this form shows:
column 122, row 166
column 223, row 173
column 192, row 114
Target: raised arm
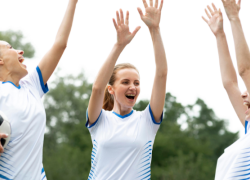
column 242, row 51
column 152, row 20
column 124, row 37
column 52, row 57
column 228, row 74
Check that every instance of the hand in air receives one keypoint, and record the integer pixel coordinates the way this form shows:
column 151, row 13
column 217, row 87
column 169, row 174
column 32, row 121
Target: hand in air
column 232, row 9
column 215, row 21
column 124, row 36
column 152, row 15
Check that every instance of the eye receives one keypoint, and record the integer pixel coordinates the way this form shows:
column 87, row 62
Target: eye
column 125, row 82
column 11, row 47
column 137, row 83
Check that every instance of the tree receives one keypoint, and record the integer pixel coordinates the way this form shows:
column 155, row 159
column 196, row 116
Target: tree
column 187, row 145
column 15, row 39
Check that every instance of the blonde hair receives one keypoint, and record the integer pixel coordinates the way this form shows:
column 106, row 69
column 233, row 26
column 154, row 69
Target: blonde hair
column 108, row 101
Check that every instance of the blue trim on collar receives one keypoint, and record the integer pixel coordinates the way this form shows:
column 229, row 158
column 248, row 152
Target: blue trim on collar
column 44, row 87
column 152, row 116
column 19, row 87
column 120, row 116
column 246, row 123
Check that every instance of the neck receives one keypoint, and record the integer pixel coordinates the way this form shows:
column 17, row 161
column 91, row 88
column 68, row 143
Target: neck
column 119, row 109
column 11, row 78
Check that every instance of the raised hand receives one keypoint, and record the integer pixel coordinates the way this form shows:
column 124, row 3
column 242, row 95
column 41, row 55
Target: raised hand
column 152, row 16
column 232, row 9
column 215, row 21
column 124, row 36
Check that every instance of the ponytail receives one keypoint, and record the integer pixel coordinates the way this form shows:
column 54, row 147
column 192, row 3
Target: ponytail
column 108, row 101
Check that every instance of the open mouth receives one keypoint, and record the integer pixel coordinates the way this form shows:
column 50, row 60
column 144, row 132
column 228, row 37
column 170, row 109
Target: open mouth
column 247, row 104
column 21, row 60
column 130, row 96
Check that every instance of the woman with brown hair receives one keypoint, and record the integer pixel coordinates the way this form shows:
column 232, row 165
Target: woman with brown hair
column 122, row 137
column 234, row 162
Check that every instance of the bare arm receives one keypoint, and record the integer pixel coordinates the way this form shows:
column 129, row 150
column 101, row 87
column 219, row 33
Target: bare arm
column 152, row 20
column 228, row 74
column 241, row 47
column 52, row 57
column 124, row 37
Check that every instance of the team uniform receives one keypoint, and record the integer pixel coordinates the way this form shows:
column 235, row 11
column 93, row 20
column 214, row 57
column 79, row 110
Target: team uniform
column 122, row 145
column 234, row 164
column 22, row 157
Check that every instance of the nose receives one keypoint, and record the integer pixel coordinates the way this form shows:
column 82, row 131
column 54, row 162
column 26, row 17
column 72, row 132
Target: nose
column 244, row 95
column 21, row 52
column 132, row 87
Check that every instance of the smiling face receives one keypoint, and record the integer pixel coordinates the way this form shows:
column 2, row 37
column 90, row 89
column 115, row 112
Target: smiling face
column 11, row 61
column 246, row 100
column 126, row 88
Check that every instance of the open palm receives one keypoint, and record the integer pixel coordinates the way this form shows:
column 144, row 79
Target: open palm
column 152, row 15
column 124, row 36
column 215, row 21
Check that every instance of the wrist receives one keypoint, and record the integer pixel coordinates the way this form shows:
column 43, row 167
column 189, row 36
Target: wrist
column 234, row 19
column 119, row 46
column 220, row 35
column 154, row 29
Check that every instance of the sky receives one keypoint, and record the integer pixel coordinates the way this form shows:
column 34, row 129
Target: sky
column 193, row 64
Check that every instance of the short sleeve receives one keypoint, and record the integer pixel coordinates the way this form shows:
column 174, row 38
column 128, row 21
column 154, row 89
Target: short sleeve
column 35, row 78
column 96, row 125
column 147, row 114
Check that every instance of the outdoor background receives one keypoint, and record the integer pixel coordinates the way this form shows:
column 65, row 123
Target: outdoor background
column 199, row 121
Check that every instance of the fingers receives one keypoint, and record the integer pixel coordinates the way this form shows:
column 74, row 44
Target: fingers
column 161, row 5
column 156, row 3
column 145, row 3
column 205, row 19
column 127, row 19
column 211, row 11
column 122, row 18
column 2, row 136
column 140, row 12
column 116, row 26
column 151, row 3
column 208, row 15
column 118, row 18
column 135, row 31
column 215, row 9
column 239, row 3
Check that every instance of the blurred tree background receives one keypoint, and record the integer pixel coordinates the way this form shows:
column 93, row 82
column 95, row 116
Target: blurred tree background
column 187, row 145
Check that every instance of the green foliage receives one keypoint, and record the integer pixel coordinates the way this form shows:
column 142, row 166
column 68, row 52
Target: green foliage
column 187, row 145
column 15, row 40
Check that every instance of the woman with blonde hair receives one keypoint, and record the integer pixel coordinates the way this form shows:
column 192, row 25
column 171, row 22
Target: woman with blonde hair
column 122, row 137
column 20, row 100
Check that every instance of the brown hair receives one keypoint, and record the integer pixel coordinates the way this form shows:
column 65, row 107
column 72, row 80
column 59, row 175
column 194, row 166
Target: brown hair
column 108, row 101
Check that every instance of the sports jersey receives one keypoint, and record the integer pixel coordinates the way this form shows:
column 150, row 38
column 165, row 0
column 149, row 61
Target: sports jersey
column 234, row 164
column 22, row 157
column 122, row 145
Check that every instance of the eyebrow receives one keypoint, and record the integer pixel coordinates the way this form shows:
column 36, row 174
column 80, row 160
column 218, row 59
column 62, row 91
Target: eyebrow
column 129, row 80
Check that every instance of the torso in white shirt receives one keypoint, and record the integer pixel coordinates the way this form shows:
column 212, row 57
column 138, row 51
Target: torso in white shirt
column 22, row 157
column 234, row 164
column 122, row 145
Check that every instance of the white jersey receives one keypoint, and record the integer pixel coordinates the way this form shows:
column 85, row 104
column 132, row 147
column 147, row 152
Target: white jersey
column 234, row 164
column 122, row 145
column 22, row 157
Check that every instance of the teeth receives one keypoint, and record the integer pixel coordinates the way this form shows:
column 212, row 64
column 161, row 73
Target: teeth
column 130, row 95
